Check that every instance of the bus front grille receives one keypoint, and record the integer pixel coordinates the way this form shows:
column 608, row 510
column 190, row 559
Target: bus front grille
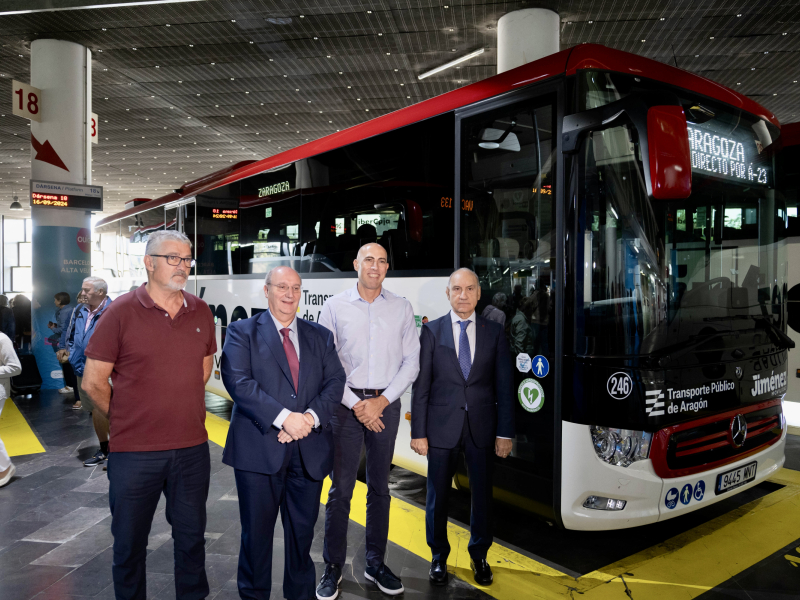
column 707, row 443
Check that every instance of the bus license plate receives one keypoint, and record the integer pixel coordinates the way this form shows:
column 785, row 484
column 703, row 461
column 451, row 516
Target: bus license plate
column 736, row 478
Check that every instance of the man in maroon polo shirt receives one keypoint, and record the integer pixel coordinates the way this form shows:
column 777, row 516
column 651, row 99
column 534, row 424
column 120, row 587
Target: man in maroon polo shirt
column 157, row 345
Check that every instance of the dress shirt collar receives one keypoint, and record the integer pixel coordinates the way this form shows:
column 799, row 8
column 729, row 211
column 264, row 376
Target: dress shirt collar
column 292, row 325
column 455, row 318
column 354, row 295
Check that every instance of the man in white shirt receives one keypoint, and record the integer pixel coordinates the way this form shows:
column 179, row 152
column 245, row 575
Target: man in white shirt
column 376, row 338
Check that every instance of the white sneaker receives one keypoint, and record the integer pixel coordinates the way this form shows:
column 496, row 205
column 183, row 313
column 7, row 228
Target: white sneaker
column 9, row 474
column 65, row 390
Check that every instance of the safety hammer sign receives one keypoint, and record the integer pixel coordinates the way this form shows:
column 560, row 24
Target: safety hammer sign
column 26, row 101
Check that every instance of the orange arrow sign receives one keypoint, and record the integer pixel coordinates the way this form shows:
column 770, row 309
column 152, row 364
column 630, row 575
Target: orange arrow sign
column 46, row 153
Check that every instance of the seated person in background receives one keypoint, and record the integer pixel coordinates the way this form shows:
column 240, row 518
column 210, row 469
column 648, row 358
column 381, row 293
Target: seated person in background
column 495, row 311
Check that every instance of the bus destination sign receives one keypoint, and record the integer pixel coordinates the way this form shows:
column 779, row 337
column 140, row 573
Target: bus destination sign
column 66, row 195
column 726, row 157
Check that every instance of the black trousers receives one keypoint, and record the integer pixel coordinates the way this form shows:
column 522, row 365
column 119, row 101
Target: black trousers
column 70, row 380
column 137, row 480
column 292, row 492
column 349, row 435
column 442, row 463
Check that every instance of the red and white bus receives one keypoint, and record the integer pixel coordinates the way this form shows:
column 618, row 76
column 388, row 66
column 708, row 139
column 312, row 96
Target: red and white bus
column 628, row 212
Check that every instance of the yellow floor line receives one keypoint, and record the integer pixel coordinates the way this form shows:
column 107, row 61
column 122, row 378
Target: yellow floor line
column 682, row 567
column 15, row 432
column 217, row 428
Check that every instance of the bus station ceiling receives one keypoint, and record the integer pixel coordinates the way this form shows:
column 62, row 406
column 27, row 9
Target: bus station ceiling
column 184, row 88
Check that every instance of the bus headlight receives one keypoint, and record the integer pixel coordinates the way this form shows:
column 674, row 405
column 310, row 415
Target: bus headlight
column 620, row 447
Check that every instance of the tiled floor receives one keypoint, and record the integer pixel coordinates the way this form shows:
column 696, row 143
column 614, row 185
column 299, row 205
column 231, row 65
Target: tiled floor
column 55, row 538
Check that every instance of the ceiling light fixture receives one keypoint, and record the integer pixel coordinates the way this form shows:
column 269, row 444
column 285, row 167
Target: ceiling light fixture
column 15, row 205
column 452, row 63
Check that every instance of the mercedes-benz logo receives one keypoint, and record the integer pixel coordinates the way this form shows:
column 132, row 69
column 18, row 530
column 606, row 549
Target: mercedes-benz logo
column 738, row 431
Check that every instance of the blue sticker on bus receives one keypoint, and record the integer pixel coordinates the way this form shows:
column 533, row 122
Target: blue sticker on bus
column 671, row 500
column 540, row 366
column 686, row 493
column 699, row 490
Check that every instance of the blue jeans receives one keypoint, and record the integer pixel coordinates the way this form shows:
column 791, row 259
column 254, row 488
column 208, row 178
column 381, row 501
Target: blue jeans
column 137, row 480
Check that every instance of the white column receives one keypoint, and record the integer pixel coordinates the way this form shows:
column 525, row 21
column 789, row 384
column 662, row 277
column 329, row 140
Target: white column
column 61, row 248
column 526, row 35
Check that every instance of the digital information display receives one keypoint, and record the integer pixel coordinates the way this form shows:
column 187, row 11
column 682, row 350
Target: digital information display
column 66, row 195
column 224, row 213
column 726, row 157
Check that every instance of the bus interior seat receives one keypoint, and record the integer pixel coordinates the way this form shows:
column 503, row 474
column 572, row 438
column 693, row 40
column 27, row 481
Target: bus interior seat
column 507, row 248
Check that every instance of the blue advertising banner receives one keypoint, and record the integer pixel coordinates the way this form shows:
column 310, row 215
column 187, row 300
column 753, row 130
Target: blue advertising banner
column 61, row 261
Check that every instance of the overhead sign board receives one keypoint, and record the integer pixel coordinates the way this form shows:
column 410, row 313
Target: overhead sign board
column 26, row 101
column 66, row 195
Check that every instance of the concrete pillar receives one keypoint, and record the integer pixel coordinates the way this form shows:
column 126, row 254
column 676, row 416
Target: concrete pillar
column 61, row 237
column 526, row 35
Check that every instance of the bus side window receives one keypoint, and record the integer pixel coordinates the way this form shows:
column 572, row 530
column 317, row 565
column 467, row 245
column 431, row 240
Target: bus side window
column 387, row 190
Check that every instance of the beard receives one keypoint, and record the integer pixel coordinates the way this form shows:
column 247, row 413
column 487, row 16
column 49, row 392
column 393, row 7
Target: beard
column 175, row 282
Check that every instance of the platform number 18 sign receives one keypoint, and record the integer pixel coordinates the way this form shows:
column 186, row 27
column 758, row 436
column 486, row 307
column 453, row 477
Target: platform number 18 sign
column 26, row 101
column 94, row 129
column 619, row 386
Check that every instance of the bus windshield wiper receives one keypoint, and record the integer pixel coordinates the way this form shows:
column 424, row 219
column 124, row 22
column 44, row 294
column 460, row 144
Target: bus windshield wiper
column 780, row 339
column 678, row 350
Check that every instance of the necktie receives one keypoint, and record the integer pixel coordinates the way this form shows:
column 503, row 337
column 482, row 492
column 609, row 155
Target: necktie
column 291, row 355
column 464, row 355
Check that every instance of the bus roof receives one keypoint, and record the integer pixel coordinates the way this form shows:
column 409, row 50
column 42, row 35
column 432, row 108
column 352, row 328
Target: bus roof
column 567, row 62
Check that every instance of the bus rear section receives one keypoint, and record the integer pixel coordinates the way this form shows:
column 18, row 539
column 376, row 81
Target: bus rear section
column 673, row 392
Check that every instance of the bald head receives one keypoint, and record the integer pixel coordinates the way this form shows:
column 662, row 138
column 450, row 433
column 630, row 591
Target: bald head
column 371, row 249
column 463, row 291
column 459, row 274
column 372, row 265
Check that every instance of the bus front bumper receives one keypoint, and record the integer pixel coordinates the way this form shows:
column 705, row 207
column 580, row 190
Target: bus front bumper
column 648, row 498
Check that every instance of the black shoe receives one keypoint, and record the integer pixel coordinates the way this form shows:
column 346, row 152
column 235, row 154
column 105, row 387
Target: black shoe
column 386, row 581
column 97, row 459
column 328, row 587
column 438, row 572
column 482, row 571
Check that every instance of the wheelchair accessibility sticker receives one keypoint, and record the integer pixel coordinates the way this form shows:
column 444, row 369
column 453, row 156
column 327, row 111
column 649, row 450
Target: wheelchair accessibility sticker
column 685, row 496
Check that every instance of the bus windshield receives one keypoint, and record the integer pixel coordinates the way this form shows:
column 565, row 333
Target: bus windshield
column 678, row 280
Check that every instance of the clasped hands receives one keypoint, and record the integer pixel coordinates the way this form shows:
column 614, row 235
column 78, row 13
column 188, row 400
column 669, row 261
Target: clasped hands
column 370, row 411
column 296, row 426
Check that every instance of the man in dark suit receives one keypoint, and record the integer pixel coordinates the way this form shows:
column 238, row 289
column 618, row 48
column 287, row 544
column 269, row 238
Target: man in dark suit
column 286, row 381
column 462, row 401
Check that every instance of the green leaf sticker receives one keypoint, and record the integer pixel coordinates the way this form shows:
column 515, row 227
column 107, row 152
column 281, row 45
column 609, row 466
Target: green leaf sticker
column 531, row 395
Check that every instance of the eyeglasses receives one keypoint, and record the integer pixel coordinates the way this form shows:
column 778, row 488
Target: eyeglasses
column 174, row 261
column 283, row 288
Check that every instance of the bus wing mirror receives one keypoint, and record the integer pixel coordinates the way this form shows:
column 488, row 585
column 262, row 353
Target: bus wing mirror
column 669, row 153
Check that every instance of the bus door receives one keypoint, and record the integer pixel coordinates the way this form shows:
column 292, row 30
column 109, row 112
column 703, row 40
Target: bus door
column 507, row 236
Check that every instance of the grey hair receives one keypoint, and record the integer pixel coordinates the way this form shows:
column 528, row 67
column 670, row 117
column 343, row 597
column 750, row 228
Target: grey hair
column 474, row 274
column 98, row 283
column 155, row 239
column 499, row 299
column 268, row 278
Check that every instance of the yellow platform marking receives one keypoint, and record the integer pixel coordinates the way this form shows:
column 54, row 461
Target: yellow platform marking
column 15, row 432
column 217, row 429
column 682, row 567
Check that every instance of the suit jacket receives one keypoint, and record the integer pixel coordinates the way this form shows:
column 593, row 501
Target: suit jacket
column 257, row 376
column 440, row 392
